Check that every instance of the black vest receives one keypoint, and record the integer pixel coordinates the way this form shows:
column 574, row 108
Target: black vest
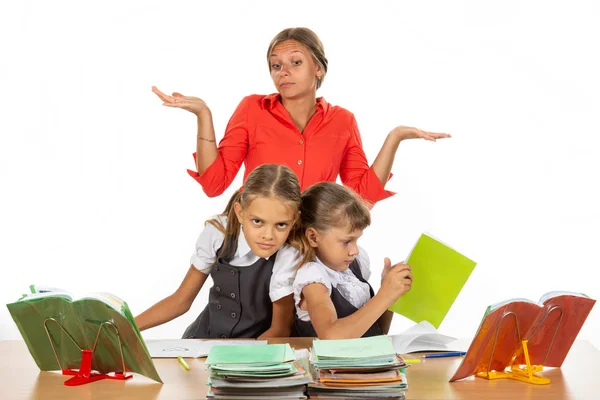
column 343, row 308
column 239, row 305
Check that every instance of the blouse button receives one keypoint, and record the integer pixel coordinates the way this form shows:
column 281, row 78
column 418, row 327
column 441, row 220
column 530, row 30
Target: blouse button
column 232, row 315
column 301, row 142
column 299, row 162
column 233, row 295
column 232, row 272
column 218, row 289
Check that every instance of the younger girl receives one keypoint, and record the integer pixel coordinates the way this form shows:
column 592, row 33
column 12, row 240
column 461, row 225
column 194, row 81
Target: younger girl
column 245, row 252
column 332, row 296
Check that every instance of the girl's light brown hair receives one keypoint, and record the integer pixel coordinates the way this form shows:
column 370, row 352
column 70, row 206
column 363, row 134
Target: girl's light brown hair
column 307, row 38
column 267, row 180
column 324, row 206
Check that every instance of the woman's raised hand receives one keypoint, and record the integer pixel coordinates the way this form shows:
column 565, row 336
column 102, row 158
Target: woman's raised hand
column 407, row 132
column 192, row 104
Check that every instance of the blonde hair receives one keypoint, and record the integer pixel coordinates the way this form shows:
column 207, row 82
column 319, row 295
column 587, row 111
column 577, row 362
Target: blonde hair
column 267, row 181
column 307, row 38
column 324, row 206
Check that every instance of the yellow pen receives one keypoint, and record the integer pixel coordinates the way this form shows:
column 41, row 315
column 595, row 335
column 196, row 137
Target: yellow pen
column 183, row 363
column 410, row 360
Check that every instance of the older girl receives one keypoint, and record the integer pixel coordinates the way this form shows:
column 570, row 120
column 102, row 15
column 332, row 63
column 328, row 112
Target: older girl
column 246, row 253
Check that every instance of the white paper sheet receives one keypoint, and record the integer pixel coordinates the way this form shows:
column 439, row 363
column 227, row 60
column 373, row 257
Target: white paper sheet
column 191, row 348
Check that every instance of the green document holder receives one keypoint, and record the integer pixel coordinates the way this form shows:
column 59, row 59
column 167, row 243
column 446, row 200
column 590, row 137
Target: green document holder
column 86, row 338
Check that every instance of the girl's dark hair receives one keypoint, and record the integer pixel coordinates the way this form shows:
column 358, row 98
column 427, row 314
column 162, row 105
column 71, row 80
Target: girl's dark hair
column 267, row 180
column 307, row 38
column 324, row 206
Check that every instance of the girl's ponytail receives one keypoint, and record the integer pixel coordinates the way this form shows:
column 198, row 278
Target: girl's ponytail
column 231, row 231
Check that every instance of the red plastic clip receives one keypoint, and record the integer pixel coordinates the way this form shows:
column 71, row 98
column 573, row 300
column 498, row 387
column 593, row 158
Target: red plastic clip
column 86, row 375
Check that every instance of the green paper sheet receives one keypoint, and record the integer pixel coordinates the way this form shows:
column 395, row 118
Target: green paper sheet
column 247, row 354
column 369, row 347
column 439, row 274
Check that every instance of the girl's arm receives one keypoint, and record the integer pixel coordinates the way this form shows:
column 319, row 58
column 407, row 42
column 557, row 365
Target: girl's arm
column 283, row 318
column 174, row 305
column 324, row 316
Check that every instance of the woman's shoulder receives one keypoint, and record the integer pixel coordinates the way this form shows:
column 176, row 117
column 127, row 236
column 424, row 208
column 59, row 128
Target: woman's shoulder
column 333, row 108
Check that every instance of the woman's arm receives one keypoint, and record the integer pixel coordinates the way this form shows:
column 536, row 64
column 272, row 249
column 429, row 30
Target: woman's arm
column 174, row 305
column 382, row 166
column 283, row 318
column 369, row 181
column 206, row 144
column 216, row 166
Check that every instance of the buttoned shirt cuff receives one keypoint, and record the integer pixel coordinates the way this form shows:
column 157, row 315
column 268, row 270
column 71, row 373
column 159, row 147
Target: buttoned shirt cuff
column 374, row 190
column 209, row 180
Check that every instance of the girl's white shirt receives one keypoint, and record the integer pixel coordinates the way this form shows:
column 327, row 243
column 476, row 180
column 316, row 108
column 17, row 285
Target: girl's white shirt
column 349, row 286
column 284, row 267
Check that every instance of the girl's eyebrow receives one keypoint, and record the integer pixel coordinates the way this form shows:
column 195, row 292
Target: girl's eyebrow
column 288, row 221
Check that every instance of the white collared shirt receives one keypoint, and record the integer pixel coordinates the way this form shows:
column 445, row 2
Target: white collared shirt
column 284, row 267
column 350, row 287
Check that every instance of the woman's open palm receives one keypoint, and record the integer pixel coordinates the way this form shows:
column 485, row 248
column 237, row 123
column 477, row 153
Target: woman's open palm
column 189, row 103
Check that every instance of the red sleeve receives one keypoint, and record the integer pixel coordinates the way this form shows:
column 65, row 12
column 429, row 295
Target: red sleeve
column 232, row 151
column 356, row 173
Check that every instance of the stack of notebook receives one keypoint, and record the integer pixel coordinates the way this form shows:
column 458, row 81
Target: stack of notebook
column 365, row 368
column 269, row 371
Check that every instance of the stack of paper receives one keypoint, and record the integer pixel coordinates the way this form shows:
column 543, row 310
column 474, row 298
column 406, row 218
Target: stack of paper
column 255, row 372
column 365, row 368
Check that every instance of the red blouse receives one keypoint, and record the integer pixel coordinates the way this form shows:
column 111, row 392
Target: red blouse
column 261, row 131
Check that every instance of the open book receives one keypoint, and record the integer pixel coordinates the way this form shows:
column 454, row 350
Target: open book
column 440, row 273
column 550, row 326
column 424, row 337
column 56, row 326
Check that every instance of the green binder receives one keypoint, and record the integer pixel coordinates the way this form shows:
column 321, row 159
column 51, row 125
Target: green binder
column 440, row 273
column 56, row 328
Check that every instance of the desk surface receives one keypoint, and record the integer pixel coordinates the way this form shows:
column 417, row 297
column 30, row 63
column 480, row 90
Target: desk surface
column 21, row 379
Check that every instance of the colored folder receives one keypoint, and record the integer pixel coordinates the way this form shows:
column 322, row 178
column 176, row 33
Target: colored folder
column 439, row 273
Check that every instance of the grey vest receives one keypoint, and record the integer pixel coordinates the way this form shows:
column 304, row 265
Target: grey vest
column 342, row 307
column 239, row 305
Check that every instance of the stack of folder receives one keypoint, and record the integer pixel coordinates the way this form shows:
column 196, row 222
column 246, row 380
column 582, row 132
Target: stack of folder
column 269, row 371
column 365, row 368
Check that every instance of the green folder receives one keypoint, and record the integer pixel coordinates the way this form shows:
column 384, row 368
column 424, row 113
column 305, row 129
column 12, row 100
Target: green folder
column 250, row 354
column 439, row 274
column 368, row 347
column 67, row 320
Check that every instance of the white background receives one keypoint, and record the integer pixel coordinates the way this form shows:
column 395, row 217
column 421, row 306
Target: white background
column 93, row 190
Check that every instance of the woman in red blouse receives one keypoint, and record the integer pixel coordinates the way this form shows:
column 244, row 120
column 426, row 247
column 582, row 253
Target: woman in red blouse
column 292, row 127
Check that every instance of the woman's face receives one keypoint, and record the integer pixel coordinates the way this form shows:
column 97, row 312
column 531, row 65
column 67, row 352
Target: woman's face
column 293, row 70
